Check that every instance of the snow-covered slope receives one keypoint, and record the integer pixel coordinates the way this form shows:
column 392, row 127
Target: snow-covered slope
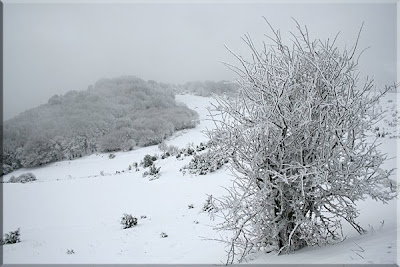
column 74, row 206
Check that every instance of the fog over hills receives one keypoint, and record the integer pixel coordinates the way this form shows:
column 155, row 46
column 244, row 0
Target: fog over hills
column 114, row 114
column 52, row 47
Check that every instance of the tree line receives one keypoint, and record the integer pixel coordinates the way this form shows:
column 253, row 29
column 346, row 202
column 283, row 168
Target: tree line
column 112, row 115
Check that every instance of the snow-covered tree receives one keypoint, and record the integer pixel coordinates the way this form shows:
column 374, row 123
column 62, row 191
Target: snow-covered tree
column 297, row 137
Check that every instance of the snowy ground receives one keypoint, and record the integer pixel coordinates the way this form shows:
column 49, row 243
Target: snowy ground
column 73, row 206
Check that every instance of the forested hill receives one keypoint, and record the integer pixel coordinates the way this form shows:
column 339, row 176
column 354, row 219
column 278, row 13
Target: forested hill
column 114, row 114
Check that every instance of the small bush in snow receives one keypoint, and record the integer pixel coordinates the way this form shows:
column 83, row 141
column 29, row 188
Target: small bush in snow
column 23, row 178
column 163, row 235
column 111, row 155
column 201, row 147
column 153, row 172
column 165, row 155
column 202, row 164
column 70, row 251
column 163, row 146
column 380, row 132
column 209, row 206
column 128, row 221
column 148, row 160
column 136, row 166
column 171, row 150
column 11, row 238
column 189, row 151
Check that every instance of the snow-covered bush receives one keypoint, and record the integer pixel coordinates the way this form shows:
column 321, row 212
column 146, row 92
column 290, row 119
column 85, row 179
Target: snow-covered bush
column 148, row 160
column 128, row 221
column 172, row 150
column 136, row 166
column 154, row 170
column 209, row 205
column 153, row 173
column 163, row 147
column 23, row 178
column 201, row 147
column 163, row 235
column 165, row 155
column 133, row 166
column 296, row 137
column 204, row 163
column 11, row 237
column 189, row 151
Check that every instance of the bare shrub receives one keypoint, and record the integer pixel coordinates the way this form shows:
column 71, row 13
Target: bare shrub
column 296, row 137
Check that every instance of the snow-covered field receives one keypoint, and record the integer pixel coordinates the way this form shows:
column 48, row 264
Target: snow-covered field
column 73, row 206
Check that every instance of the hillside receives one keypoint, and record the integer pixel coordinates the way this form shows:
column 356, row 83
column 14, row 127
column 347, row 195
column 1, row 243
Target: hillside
column 78, row 204
column 115, row 114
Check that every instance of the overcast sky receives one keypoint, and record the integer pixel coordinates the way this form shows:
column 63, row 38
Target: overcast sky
column 53, row 48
